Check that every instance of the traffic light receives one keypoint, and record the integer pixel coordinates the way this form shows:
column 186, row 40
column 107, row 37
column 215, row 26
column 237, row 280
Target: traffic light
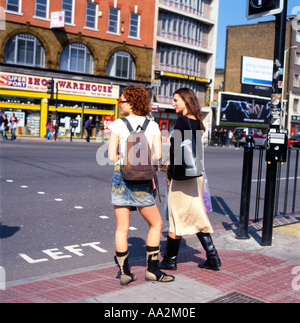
column 262, row 8
column 50, row 88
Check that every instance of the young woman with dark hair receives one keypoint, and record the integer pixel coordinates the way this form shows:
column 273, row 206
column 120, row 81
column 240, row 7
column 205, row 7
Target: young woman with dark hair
column 187, row 214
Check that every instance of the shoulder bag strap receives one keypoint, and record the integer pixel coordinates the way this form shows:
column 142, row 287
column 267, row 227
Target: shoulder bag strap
column 194, row 138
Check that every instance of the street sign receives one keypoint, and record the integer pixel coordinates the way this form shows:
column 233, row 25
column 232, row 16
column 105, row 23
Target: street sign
column 262, row 8
column 258, row 3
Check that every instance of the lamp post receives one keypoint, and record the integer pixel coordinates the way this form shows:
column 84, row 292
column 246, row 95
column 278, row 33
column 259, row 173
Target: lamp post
column 287, row 116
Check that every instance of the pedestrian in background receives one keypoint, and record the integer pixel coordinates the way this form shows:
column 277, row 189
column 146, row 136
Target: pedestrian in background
column 135, row 106
column 186, row 209
column 89, row 125
column 13, row 126
column 48, row 129
column 1, row 116
column 4, row 127
column 230, row 136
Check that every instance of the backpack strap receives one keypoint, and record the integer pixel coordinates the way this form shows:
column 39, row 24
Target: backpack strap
column 128, row 125
column 143, row 127
column 145, row 124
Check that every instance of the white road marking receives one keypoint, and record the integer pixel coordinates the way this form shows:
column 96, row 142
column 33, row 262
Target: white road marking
column 57, row 254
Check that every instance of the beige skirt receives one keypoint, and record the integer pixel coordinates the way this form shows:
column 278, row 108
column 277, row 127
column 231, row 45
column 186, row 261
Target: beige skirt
column 187, row 213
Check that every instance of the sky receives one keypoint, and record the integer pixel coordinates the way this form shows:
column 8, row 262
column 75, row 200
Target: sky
column 233, row 13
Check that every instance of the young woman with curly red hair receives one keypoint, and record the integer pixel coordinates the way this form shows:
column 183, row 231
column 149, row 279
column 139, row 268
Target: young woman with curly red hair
column 135, row 106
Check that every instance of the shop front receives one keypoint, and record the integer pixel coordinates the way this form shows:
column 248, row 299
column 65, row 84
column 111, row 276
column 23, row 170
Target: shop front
column 166, row 120
column 27, row 97
column 295, row 125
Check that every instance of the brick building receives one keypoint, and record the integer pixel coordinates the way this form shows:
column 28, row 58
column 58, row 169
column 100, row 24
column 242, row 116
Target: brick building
column 92, row 49
column 257, row 41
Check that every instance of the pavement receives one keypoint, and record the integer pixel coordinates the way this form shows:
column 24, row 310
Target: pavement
column 250, row 273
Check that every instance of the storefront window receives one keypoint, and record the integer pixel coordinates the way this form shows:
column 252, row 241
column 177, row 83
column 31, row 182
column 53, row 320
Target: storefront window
column 84, row 105
column 86, row 109
column 28, row 121
column 28, row 118
column 19, row 100
column 64, row 124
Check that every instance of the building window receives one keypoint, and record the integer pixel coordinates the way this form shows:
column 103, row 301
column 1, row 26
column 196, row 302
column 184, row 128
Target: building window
column 297, row 58
column 13, row 5
column 68, row 7
column 181, row 29
column 114, row 21
column 296, row 106
column 41, row 8
column 298, row 36
column 296, row 82
column 25, row 49
column 180, row 60
column 121, row 65
column 193, row 6
column 170, row 85
column 91, row 15
column 77, row 57
column 134, row 25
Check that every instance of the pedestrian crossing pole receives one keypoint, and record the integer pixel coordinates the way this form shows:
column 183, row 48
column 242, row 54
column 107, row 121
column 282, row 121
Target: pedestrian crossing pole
column 274, row 151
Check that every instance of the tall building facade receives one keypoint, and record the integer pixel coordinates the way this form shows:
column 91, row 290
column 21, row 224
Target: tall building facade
column 184, row 56
column 91, row 49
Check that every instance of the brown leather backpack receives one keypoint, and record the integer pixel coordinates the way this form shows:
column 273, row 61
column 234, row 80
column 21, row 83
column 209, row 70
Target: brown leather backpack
column 137, row 164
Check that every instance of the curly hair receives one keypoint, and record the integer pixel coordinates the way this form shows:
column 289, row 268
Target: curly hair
column 138, row 98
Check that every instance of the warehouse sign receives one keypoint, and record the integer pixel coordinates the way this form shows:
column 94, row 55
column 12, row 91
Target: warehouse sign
column 241, row 108
column 70, row 87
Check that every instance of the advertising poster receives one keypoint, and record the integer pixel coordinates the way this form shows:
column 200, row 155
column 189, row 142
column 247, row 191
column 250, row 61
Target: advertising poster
column 239, row 108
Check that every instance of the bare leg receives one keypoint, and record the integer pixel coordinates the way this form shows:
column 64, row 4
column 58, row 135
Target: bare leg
column 152, row 216
column 122, row 227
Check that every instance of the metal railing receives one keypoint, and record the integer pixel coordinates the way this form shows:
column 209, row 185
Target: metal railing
column 285, row 201
column 290, row 166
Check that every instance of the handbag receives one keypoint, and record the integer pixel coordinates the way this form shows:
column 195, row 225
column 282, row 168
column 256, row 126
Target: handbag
column 187, row 163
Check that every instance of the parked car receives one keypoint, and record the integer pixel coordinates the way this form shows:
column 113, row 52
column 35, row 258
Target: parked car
column 294, row 141
column 240, row 134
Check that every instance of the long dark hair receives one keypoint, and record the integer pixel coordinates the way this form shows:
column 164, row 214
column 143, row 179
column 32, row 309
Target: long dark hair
column 192, row 104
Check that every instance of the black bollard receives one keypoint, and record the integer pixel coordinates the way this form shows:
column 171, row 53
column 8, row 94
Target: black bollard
column 246, row 189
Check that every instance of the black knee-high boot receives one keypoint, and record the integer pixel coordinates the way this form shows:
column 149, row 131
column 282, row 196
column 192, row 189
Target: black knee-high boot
column 170, row 256
column 213, row 261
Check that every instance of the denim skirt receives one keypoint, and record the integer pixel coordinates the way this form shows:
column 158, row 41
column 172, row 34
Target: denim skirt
column 127, row 193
